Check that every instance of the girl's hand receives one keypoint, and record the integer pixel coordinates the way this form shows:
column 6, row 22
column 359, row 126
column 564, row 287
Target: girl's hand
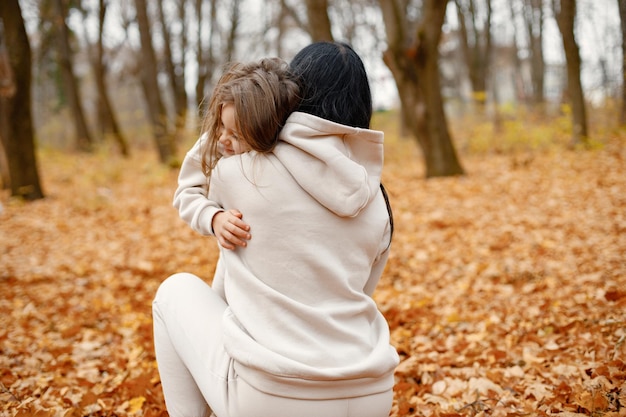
column 230, row 230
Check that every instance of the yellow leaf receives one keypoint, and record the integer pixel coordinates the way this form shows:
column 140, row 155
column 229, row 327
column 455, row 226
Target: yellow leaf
column 136, row 404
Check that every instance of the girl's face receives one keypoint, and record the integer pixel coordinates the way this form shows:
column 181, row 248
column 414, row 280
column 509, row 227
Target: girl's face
column 230, row 140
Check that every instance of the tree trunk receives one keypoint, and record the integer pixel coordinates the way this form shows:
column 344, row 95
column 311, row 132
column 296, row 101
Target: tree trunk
column 518, row 80
column 416, row 72
column 84, row 141
column 477, row 47
column 108, row 121
column 149, row 82
column 16, row 126
column 533, row 17
column 176, row 74
column 318, row 20
column 282, row 27
column 200, row 58
column 182, row 99
column 622, row 14
column 206, row 63
column 232, row 35
column 290, row 11
column 565, row 12
column 7, row 91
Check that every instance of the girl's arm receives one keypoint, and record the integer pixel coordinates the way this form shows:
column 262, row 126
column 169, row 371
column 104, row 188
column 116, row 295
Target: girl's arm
column 190, row 197
column 205, row 216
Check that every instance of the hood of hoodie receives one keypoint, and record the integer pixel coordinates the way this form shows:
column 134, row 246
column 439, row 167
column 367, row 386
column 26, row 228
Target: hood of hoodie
column 338, row 165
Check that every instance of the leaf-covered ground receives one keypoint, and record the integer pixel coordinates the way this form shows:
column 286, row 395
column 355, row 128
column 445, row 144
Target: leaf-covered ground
column 505, row 290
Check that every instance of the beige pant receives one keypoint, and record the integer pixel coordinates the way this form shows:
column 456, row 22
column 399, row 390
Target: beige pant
column 197, row 374
column 253, row 403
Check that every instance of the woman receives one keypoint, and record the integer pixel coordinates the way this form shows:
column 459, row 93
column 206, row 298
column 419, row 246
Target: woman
column 293, row 331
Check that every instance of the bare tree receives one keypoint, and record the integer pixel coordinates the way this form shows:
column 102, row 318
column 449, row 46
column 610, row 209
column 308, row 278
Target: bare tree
column 533, row 13
column 106, row 117
column 206, row 62
column 150, row 84
column 358, row 23
column 565, row 13
column 291, row 12
column 175, row 70
column 7, row 91
column 518, row 79
column 16, row 125
column 622, row 14
column 232, row 34
column 84, row 140
column 281, row 24
column 318, row 20
column 413, row 58
column 476, row 41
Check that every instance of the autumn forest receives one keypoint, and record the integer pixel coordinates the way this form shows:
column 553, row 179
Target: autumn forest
column 505, row 164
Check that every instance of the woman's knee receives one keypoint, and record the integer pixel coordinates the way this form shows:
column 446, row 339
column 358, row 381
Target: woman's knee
column 175, row 284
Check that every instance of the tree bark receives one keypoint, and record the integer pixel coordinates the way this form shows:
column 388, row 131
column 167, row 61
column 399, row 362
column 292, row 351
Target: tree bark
column 517, row 79
column 477, row 47
column 318, row 20
column 232, row 35
column 413, row 59
column 206, row 63
column 84, row 142
column 7, row 91
column 175, row 72
column 622, row 15
column 283, row 13
column 108, row 121
column 533, row 17
column 565, row 12
column 16, row 126
column 290, row 11
column 149, row 82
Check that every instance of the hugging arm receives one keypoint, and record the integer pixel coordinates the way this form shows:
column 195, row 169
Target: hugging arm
column 203, row 215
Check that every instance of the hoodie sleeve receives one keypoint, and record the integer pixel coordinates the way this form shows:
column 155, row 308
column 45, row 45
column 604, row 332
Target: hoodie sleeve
column 191, row 196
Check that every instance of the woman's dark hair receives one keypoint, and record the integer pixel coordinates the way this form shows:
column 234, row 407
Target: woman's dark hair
column 333, row 84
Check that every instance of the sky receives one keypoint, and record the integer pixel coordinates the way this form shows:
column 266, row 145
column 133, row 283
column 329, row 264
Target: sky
column 598, row 34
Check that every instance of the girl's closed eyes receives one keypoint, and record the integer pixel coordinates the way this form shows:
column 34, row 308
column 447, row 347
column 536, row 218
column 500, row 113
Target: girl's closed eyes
column 229, row 139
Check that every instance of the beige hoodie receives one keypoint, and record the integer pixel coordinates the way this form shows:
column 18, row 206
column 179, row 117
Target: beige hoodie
column 301, row 321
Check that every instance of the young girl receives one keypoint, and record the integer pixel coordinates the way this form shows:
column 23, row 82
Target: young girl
column 292, row 329
column 249, row 105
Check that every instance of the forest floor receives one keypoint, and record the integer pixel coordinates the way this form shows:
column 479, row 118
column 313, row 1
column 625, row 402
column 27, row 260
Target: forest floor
column 505, row 290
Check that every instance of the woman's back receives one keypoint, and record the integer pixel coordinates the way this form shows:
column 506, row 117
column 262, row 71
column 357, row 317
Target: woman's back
column 297, row 293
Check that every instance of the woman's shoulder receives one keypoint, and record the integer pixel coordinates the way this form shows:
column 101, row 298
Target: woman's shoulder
column 245, row 164
column 306, row 126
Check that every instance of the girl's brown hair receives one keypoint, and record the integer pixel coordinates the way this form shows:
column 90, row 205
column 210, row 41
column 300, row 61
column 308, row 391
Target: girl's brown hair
column 264, row 94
